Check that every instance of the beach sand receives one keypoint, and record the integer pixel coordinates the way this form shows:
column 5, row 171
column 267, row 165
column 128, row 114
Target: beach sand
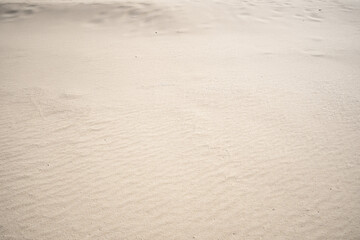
column 180, row 120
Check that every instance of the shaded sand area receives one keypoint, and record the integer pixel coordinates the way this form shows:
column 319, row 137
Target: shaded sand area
column 180, row 120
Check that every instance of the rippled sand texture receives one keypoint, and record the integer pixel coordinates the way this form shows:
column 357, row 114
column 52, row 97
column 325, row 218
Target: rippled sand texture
column 180, row 120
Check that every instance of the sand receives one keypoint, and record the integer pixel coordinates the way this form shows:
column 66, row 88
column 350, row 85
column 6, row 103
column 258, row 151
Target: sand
column 180, row 119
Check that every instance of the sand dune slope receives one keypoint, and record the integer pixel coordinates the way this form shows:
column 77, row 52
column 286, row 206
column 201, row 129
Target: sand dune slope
column 180, row 120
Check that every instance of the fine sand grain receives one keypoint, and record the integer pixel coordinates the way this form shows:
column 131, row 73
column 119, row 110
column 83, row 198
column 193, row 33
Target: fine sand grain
column 183, row 119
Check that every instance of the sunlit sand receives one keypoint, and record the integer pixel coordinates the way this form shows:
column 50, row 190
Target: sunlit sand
column 180, row 120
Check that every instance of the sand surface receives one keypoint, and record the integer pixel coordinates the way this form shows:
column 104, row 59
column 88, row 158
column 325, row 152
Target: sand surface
column 183, row 119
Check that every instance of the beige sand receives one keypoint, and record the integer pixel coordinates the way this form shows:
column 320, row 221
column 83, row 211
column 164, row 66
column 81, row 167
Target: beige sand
column 180, row 120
